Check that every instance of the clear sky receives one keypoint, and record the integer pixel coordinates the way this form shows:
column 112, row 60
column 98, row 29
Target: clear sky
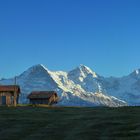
column 61, row 34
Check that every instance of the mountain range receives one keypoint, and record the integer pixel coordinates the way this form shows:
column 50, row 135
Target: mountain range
column 80, row 86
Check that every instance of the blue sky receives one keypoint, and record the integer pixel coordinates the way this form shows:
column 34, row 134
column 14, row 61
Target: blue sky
column 61, row 34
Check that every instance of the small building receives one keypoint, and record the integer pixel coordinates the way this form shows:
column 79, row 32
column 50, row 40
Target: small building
column 9, row 94
column 43, row 97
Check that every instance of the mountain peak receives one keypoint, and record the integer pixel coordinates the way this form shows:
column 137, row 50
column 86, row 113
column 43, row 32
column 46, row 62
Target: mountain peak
column 82, row 72
column 87, row 70
column 39, row 66
column 137, row 71
column 83, row 66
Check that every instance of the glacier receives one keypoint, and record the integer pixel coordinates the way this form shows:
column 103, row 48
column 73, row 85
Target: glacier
column 80, row 86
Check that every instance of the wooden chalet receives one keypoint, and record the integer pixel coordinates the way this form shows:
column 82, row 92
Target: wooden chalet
column 43, row 97
column 9, row 94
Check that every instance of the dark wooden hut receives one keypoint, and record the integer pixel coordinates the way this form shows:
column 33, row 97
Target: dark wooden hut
column 9, row 94
column 43, row 97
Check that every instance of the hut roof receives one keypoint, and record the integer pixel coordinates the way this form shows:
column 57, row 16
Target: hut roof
column 41, row 94
column 9, row 88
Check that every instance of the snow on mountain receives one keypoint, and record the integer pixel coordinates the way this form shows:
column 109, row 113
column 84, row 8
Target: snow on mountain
column 74, row 84
column 80, row 73
column 79, row 87
column 126, row 88
column 35, row 78
column 84, row 77
column 135, row 74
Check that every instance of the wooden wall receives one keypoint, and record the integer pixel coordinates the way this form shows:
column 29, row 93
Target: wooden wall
column 8, row 96
column 51, row 100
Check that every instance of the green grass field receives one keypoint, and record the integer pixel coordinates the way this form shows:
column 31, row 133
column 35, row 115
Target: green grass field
column 38, row 123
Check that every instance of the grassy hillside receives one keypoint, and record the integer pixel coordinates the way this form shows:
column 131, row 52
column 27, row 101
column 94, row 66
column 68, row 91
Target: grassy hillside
column 30, row 123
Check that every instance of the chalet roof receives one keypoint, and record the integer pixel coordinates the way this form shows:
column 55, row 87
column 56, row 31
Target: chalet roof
column 9, row 88
column 41, row 94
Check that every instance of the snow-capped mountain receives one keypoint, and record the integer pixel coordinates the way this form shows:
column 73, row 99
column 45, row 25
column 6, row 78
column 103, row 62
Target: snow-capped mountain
column 84, row 77
column 126, row 88
column 80, row 87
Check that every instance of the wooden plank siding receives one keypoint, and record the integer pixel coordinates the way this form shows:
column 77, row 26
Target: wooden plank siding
column 9, row 94
column 8, row 100
column 43, row 97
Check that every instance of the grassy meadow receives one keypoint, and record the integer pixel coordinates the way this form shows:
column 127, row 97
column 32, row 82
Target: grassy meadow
column 69, row 123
